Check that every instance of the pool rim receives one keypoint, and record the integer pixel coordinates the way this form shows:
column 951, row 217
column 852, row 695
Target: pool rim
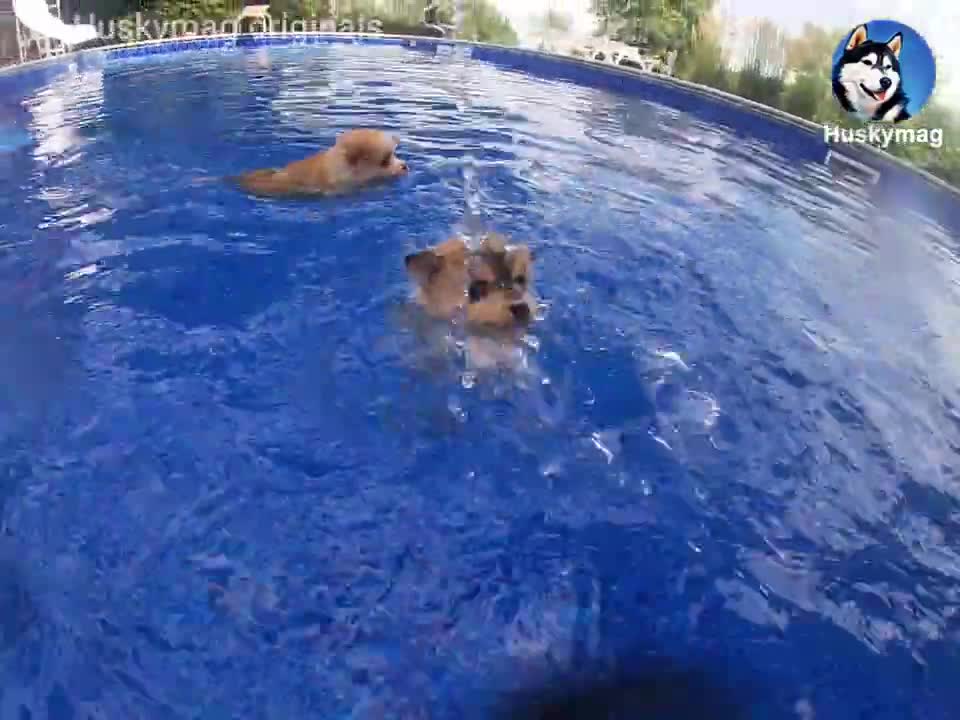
column 851, row 154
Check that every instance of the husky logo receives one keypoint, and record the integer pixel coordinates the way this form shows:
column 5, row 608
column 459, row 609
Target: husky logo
column 868, row 80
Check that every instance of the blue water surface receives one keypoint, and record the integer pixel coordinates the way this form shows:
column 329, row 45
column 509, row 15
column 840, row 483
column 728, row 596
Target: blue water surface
column 235, row 483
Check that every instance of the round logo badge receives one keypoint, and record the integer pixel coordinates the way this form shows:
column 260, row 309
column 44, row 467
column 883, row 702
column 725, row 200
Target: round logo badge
column 883, row 71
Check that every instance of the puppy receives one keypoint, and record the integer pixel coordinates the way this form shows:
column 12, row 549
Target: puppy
column 359, row 158
column 489, row 290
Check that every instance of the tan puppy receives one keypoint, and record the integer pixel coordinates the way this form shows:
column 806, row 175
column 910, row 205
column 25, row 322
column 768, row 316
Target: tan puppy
column 359, row 158
column 490, row 289
column 441, row 278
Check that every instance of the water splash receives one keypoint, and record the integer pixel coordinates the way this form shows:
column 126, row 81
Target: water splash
column 472, row 201
column 472, row 223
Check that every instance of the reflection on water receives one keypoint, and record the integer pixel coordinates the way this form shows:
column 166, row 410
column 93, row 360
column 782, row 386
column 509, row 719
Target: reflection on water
column 244, row 487
column 61, row 111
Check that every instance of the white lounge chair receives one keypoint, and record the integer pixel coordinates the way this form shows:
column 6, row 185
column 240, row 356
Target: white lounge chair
column 669, row 62
column 39, row 23
column 255, row 10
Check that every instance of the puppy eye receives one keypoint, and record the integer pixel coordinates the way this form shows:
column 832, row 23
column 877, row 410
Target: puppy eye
column 520, row 280
column 478, row 290
column 866, row 62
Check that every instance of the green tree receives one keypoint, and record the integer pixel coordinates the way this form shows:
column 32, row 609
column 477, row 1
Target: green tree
column 762, row 76
column 705, row 61
column 812, row 50
column 809, row 61
column 549, row 24
column 654, row 24
column 944, row 162
column 767, row 52
column 804, row 95
column 483, row 23
column 198, row 10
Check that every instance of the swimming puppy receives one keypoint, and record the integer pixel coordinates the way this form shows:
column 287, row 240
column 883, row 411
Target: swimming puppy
column 499, row 293
column 491, row 287
column 441, row 278
column 357, row 159
column 489, row 290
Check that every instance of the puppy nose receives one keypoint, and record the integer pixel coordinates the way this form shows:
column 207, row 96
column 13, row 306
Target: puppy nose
column 520, row 311
column 885, row 83
column 404, row 168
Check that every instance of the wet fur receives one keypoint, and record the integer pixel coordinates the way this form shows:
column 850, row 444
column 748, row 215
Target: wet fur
column 489, row 290
column 858, row 73
column 358, row 159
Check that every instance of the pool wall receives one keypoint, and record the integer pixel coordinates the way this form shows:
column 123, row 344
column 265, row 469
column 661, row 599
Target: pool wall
column 889, row 178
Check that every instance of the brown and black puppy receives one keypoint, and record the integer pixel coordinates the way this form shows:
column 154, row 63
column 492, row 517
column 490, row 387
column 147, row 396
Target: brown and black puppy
column 489, row 290
column 359, row 158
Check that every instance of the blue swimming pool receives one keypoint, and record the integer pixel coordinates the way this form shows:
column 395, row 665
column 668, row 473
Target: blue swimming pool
column 233, row 484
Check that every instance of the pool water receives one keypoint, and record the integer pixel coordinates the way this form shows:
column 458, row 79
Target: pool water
column 235, row 484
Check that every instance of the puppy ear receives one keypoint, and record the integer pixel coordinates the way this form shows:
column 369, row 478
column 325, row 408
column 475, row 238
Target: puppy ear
column 352, row 146
column 520, row 260
column 421, row 265
column 494, row 243
column 353, row 154
column 859, row 37
column 896, row 44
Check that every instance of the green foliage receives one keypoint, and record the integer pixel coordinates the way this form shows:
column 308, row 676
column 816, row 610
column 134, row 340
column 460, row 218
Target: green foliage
column 767, row 54
column 483, row 23
column 657, row 25
column 812, row 51
column 194, row 9
column 704, row 64
column 394, row 11
column 943, row 162
column 753, row 84
column 805, row 95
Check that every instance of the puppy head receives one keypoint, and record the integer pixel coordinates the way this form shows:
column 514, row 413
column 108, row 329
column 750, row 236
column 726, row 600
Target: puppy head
column 500, row 278
column 440, row 274
column 370, row 155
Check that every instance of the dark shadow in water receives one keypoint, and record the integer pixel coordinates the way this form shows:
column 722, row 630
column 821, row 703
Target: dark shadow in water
column 17, row 609
column 659, row 690
column 39, row 334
